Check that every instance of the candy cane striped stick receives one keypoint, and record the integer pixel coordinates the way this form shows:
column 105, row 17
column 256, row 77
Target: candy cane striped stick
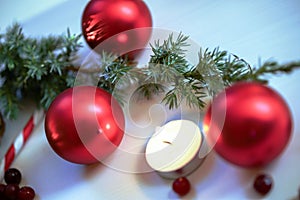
column 20, row 141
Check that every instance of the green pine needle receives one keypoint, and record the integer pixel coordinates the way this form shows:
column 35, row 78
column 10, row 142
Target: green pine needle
column 41, row 68
column 33, row 68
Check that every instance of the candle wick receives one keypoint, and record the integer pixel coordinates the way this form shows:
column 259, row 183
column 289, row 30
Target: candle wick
column 167, row 142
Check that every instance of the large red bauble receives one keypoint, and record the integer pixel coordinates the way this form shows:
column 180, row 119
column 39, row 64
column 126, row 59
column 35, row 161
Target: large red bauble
column 256, row 126
column 103, row 19
column 84, row 124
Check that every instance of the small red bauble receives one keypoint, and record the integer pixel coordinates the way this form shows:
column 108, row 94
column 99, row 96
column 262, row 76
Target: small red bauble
column 84, row 124
column 256, row 126
column 103, row 19
column 181, row 186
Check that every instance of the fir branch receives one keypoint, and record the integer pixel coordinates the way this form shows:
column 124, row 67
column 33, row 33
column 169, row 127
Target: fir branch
column 271, row 68
column 171, row 53
column 166, row 65
column 114, row 69
column 34, row 67
column 148, row 90
column 9, row 99
column 41, row 68
column 215, row 70
column 190, row 92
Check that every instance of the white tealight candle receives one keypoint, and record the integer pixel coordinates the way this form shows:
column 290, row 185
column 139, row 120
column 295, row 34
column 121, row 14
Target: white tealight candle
column 173, row 149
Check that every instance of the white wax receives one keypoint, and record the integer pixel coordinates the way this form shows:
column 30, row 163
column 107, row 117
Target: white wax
column 173, row 145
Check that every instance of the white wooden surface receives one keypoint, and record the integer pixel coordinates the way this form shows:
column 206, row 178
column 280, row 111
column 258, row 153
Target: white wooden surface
column 251, row 29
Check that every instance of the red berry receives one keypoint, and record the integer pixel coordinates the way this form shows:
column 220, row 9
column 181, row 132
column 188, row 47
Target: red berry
column 2, row 188
column 263, row 184
column 11, row 191
column 181, row 186
column 12, row 176
column 26, row 193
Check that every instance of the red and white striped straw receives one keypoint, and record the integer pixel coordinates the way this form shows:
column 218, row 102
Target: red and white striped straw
column 20, row 141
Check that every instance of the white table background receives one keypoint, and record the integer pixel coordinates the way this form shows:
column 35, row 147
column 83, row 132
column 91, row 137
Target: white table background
column 250, row 29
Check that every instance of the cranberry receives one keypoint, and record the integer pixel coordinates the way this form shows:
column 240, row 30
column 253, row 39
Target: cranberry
column 12, row 176
column 2, row 188
column 181, row 186
column 263, row 184
column 11, row 191
column 26, row 193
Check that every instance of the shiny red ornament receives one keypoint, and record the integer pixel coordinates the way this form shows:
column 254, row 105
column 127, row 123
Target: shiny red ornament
column 103, row 19
column 84, row 124
column 256, row 127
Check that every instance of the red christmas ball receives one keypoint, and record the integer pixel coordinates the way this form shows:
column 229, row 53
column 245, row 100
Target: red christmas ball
column 84, row 124
column 103, row 19
column 256, row 126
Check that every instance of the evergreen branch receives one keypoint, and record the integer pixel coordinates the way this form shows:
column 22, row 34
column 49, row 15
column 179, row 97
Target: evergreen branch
column 114, row 69
column 34, row 68
column 9, row 99
column 190, row 92
column 42, row 68
column 171, row 53
column 215, row 70
column 271, row 68
column 148, row 90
